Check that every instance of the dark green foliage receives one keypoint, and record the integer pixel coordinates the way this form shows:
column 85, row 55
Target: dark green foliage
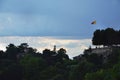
column 95, row 59
column 32, row 67
column 78, row 71
column 11, row 52
column 10, row 70
column 61, row 56
column 25, row 63
column 106, row 37
column 109, row 70
column 97, row 39
column 1, row 54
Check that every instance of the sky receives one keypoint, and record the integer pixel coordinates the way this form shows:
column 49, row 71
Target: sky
column 73, row 47
column 57, row 19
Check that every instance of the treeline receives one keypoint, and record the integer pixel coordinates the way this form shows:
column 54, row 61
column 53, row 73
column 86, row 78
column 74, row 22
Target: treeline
column 106, row 37
column 23, row 62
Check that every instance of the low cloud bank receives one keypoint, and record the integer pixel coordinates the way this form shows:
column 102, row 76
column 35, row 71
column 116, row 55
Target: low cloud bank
column 74, row 47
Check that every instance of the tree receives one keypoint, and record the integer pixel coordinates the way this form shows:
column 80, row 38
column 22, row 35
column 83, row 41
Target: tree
column 95, row 59
column 22, row 48
column 110, row 36
column 11, row 52
column 47, row 53
column 32, row 67
column 97, row 38
column 79, row 71
column 49, row 56
column 107, row 37
column 1, row 54
column 12, row 72
column 62, row 54
column 99, row 75
column 119, row 37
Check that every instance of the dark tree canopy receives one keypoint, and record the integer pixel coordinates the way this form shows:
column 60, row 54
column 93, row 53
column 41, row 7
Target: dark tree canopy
column 26, row 63
column 106, row 37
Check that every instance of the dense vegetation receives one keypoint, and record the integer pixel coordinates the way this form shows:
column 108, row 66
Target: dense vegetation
column 25, row 63
column 106, row 37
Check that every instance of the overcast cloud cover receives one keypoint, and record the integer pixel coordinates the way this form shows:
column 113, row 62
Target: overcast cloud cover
column 57, row 17
column 65, row 23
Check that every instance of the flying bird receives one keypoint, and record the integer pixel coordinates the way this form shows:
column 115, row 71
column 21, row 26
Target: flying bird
column 94, row 22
